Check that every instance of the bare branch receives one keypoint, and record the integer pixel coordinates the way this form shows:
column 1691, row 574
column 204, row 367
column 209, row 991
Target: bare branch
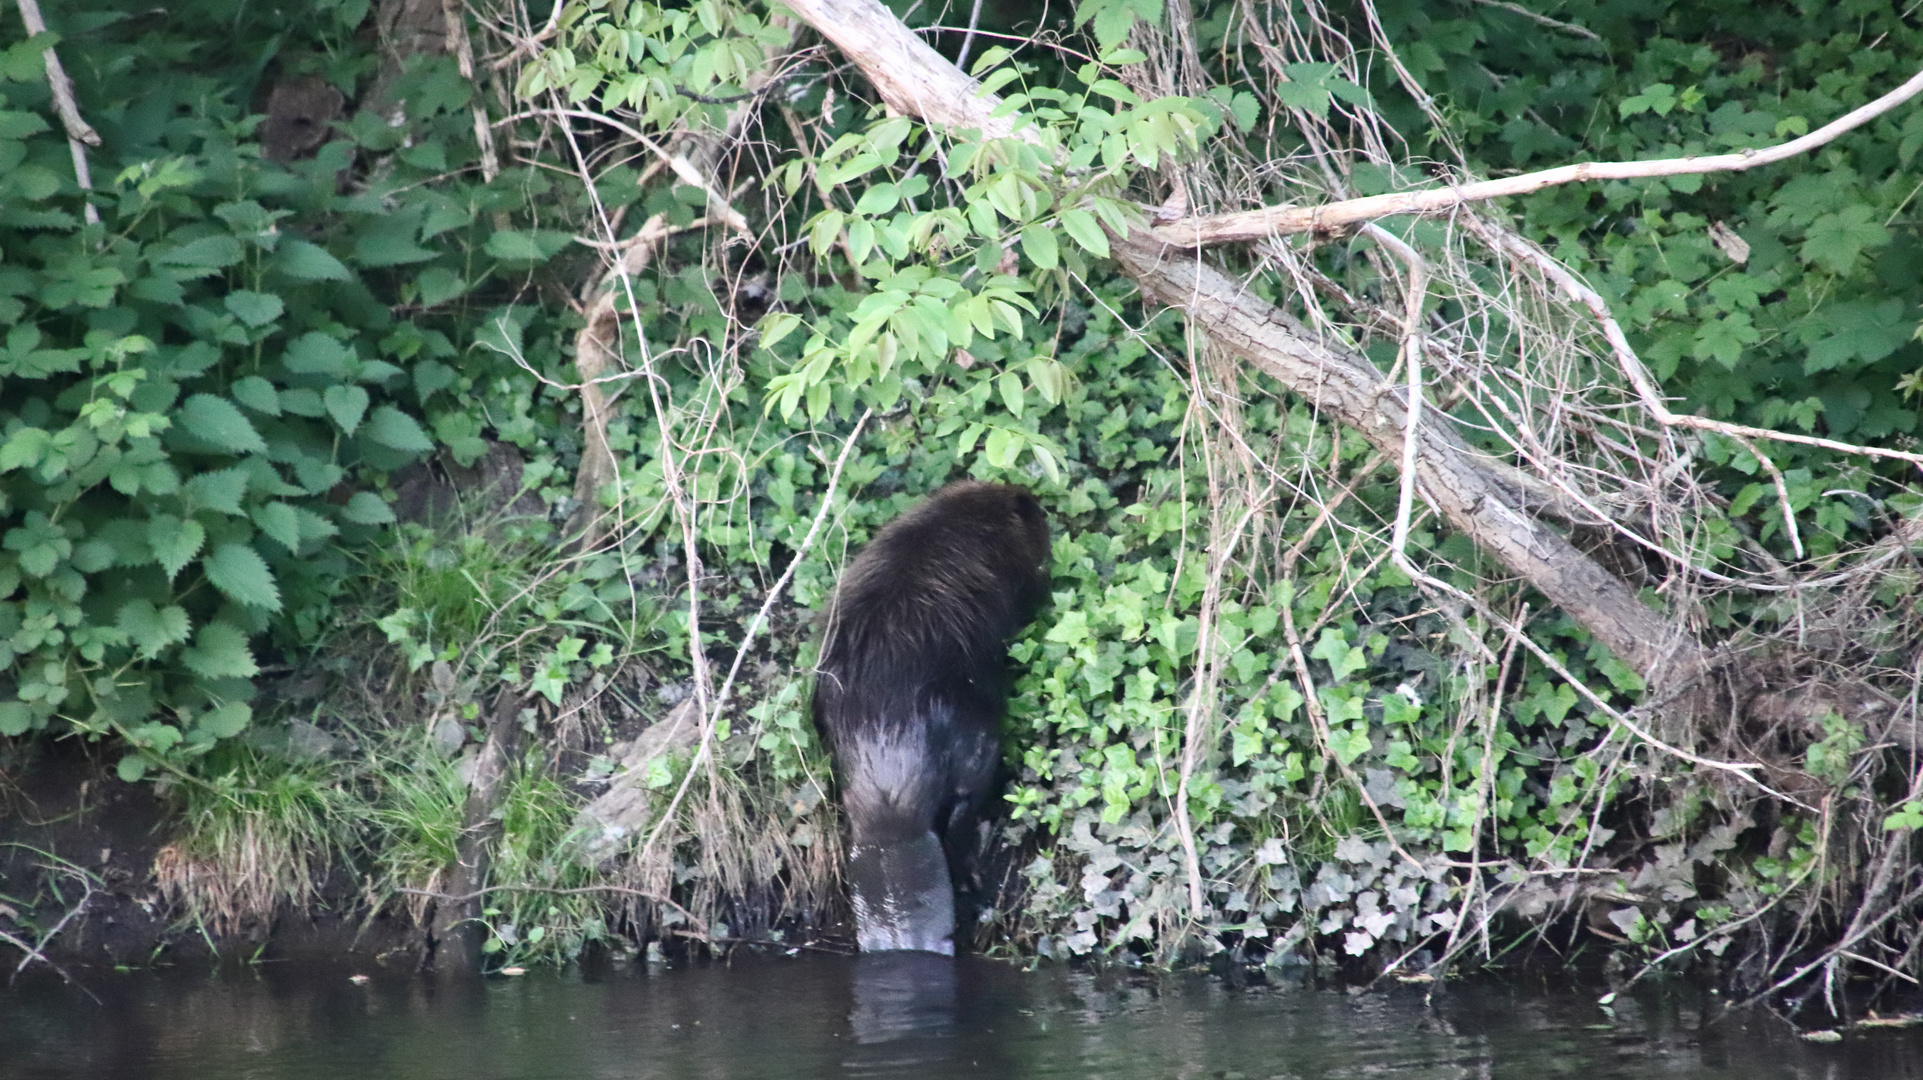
column 1638, row 375
column 1539, row 19
column 1280, row 220
column 78, row 130
column 1347, row 387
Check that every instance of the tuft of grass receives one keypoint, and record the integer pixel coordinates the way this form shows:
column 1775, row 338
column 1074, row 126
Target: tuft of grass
column 260, row 832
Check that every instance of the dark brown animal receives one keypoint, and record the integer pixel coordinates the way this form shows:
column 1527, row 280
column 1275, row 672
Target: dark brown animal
column 910, row 692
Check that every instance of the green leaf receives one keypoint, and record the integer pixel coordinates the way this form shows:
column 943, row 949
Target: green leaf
column 1334, row 650
column 313, row 526
column 1349, row 742
column 41, row 544
column 346, row 404
column 315, row 353
column 206, row 253
column 384, row 245
column 152, row 629
column 1081, row 227
column 511, row 246
column 175, row 542
column 396, row 430
column 1835, row 240
column 303, row 261
column 431, row 377
column 16, row 718
column 1010, row 385
column 438, row 285
column 878, row 200
column 217, row 421
column 1038, row 243
column 220, row 652
column 19, row 125
column 131, row 768
column 220, row 491
column 366, row 508
column 23, row 449
column 257, row 394
column 227, row 721
column 280, row 521
column 1864, row 331
column 238, row 571
column 1658, row 98
column 254, row 308
column 1723, row 339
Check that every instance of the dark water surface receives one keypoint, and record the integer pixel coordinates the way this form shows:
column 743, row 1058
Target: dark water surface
column 906, row 1016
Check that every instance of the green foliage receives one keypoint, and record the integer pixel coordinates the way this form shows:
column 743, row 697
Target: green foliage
column 1784, row 297
column 200, row 393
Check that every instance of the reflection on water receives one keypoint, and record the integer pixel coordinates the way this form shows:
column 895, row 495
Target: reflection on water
column 907, row 1015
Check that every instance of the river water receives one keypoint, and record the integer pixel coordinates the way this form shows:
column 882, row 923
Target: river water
column 902, row 1016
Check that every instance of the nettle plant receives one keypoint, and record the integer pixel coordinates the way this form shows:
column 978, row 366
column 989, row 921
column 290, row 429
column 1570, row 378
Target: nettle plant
column 203, row 388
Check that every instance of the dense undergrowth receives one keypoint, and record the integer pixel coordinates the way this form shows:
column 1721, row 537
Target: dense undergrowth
column 217, row 395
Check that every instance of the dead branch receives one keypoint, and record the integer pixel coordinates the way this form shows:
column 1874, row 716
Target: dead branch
column 1339, row 383
column 1347, row 387
column 1280, row 220
column 1539, row 19
column 1638, row 375
column 80, row 134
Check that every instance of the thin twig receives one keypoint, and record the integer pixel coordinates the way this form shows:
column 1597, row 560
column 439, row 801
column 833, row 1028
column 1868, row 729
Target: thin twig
column 1638, row 375
column 1540, row 20
column 1210, row 230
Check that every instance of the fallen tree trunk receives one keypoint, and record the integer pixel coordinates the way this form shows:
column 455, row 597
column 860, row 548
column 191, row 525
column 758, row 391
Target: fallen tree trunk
column 910, row 76
column 1347, row 387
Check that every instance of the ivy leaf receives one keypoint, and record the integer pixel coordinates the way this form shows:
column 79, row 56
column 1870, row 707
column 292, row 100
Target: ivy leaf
column 1835, row 240
column 1349, row 742
column 346, row 404
column 396, row 430
column 253, row 308
column 238, row 571
column 366, row 508
column 217, row 421
column 304, row 261
column 1334, row 650
column 220, row 652
column 152, row 629
column 175, row 542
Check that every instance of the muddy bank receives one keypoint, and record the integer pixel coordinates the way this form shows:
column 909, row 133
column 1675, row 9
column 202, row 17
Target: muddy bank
column 78, row 883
